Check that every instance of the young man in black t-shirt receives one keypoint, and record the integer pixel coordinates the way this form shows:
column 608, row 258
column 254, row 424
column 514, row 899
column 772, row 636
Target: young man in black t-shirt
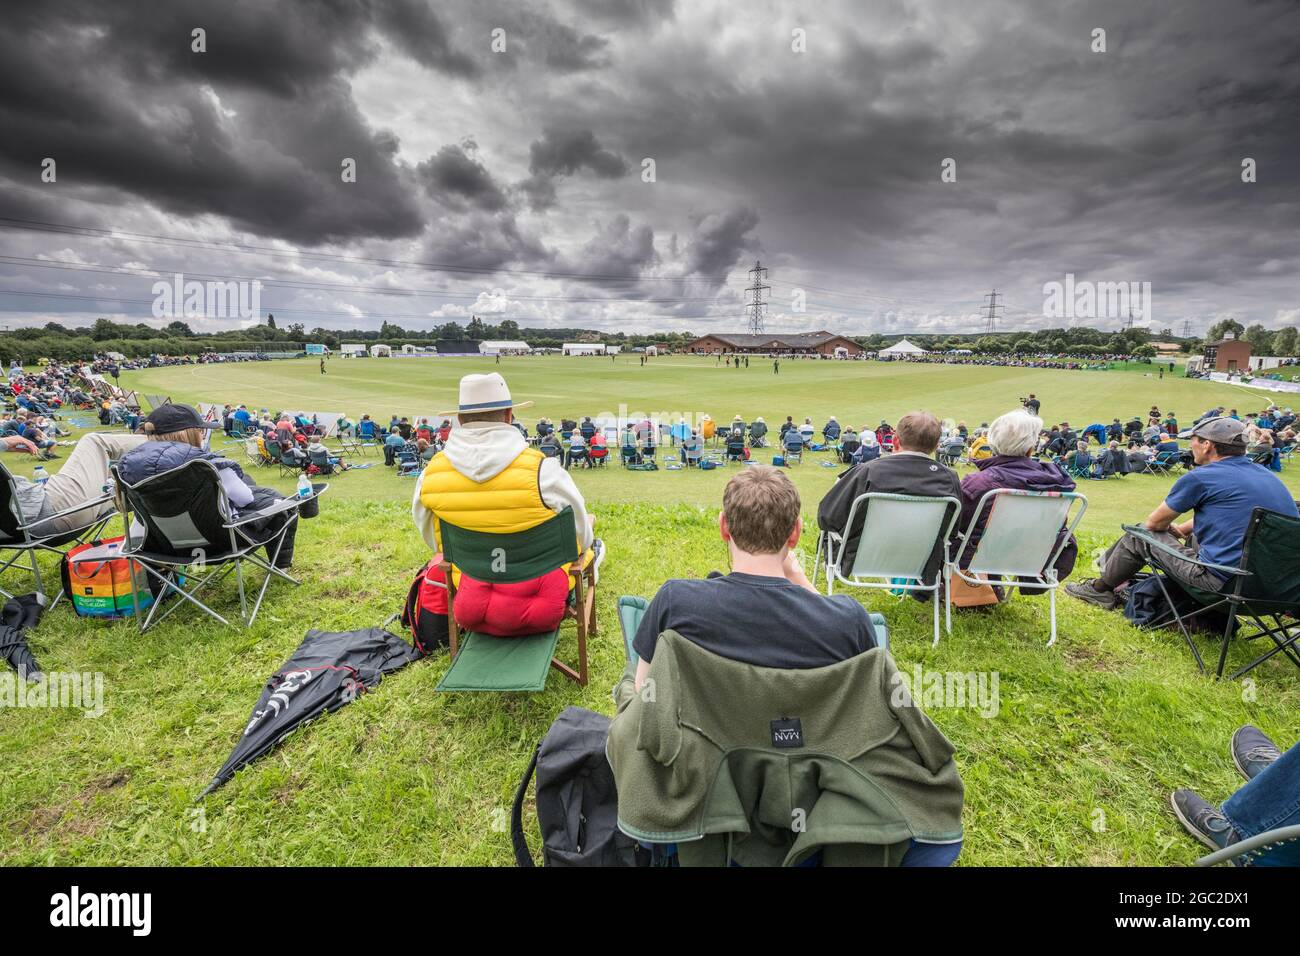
column 765, row 612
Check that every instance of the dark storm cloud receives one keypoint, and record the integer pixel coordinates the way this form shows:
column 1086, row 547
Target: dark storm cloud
column 718, row 241
column 254, row 130
column 562, row 153
column 623, row 12
column 456, row 177
column 1120, row 166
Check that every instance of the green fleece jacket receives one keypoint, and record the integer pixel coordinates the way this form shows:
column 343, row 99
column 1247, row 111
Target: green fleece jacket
column 766, row 766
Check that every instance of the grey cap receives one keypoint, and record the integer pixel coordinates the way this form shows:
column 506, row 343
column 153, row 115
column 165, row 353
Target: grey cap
column 1222, row 431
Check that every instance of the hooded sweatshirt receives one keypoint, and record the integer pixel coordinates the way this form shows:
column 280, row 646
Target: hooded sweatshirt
column 482, row 450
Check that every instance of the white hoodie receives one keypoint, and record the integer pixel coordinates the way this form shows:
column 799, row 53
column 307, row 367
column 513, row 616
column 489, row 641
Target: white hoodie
column 480, row 451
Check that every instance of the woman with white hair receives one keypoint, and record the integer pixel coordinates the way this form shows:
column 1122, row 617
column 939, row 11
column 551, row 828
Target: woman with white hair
column 1013, row 438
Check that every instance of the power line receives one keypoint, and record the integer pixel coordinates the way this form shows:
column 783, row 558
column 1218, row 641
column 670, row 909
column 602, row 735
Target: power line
column 347, row 314
column 318, row 285
column 92, row 232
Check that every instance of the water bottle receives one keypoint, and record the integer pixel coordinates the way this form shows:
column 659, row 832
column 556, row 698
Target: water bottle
column 304, row 487
column 40, row 475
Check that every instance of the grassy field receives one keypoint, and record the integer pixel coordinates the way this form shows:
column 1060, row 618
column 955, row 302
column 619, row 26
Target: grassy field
column 1072, row 769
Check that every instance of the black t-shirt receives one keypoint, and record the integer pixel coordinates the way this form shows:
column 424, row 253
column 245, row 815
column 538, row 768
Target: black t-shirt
column 765, row 621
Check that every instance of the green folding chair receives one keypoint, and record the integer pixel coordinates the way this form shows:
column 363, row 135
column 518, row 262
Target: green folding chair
column 484, row 662
column 1260, row 600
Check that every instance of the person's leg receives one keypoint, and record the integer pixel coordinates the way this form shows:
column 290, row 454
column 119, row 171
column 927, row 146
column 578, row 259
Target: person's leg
column 1127, row 556
column 84, row 475
column 1268, row 801
column 931, row 854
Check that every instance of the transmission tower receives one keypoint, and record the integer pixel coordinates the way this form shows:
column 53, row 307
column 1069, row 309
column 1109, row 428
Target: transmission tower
column 757, row 307
column 992, row 306
column 1187, row 328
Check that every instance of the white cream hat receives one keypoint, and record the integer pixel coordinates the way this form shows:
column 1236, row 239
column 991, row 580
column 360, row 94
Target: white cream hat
column 484, row 393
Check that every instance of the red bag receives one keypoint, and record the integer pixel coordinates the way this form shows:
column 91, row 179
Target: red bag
column 425, row 611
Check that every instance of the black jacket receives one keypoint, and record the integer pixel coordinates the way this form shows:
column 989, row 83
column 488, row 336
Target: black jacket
column 897, row 474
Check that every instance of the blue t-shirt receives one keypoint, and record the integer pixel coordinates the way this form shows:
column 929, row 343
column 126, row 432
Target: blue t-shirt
column 1223, row 494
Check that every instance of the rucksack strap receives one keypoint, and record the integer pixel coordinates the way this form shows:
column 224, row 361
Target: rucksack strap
column 517, row 840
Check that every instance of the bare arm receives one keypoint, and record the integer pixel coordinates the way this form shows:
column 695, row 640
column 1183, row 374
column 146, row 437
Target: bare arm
column 642, row 672
column 1162, row 519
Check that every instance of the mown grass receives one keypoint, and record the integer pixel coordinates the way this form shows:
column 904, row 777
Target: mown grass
column 1073, row 769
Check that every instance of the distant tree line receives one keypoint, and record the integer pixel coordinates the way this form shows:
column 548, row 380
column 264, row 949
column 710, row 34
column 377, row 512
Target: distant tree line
column 138, row 340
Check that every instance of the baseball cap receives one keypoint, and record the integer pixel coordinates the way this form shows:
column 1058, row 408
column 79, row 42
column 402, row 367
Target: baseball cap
column 176, row 418
column 1222, row 431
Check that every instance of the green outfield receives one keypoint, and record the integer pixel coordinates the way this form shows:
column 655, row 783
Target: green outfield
column 1073, row 768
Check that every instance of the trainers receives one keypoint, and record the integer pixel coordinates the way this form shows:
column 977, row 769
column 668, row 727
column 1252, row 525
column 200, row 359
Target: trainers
column 598, row 557
column 1202, row 820
column 1084, row 591
column 1252, row 751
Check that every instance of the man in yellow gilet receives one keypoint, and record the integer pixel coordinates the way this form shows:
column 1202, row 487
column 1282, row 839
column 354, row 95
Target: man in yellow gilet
column 486, row 478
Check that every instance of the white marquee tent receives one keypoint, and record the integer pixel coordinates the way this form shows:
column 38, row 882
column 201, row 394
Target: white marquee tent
column 903, row 347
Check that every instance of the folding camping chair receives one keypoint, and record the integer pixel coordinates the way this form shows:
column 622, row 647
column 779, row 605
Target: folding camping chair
column 1264, row 588
column 253, row 452
column 1163, row 463
column 792, row 447
column 353, row 446
column 950, row 451
column 896, row 536
column 287, row 466
column 1025, row 533
column 735, row 449
column 482, row 662
column 188, row 523
column 323, row 461
column 28, row 538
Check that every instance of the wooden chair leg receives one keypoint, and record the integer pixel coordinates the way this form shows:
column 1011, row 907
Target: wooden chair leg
column 453, row 632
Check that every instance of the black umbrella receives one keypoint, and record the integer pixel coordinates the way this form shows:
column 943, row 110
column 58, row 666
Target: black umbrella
column 18, row 616
column 329, row 669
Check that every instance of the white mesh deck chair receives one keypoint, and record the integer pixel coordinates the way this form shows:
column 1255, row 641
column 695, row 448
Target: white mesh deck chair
column 19, row 537
column 1020, row 542
column 896, row 536
column 187, row 523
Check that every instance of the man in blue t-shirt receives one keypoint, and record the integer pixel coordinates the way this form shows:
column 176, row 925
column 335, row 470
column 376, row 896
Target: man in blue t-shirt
column 1221, row 491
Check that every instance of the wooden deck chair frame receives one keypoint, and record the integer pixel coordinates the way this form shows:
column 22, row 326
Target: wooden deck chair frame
column 896, row 536
column 1016, row 546
column 1265, row 533
column 488, row 557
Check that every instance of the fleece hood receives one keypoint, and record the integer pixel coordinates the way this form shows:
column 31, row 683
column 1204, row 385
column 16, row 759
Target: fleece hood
column 482, row 450
column 1021, row 471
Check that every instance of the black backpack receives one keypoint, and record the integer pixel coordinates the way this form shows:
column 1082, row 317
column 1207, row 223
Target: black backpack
column 577, row 802
column 1145, row 605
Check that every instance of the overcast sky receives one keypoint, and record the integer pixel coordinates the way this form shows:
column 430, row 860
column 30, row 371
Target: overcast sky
column 511, row 184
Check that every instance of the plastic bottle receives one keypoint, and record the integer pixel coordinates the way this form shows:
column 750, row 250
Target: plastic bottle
column 304, row 487
column 40, row 475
